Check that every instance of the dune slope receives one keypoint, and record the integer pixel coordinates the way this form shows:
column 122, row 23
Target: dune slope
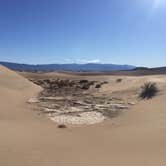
column 15, row 91
column 136, row 138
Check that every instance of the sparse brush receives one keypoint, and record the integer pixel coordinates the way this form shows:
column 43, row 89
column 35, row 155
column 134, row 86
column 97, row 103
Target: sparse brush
column 149, row 90
column 86, row 86
column 98, row 86
column 83, row 81
column 119, row 80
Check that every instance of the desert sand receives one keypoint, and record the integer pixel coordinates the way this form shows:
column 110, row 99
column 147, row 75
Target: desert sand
column 137, row 137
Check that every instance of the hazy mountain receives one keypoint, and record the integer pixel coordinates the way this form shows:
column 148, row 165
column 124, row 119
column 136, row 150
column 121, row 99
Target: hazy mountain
column 67, row 67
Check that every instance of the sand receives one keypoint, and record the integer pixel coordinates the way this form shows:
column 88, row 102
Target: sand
column 138, row 137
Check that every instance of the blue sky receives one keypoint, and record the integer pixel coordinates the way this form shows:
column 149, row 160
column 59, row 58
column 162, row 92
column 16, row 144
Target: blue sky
column 83, row 31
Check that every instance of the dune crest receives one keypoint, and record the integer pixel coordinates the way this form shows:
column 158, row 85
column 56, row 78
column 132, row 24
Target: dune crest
column 12, row 80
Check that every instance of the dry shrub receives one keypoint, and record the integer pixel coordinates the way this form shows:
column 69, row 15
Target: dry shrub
column 149, row 90
column 119, row 80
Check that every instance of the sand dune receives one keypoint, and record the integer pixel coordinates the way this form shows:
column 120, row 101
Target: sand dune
column 138, row 137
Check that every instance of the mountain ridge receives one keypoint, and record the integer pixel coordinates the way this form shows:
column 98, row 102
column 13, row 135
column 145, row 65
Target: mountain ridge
column 67, row 67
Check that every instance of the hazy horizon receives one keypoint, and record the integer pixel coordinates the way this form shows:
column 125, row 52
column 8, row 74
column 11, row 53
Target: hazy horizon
column 83, row 31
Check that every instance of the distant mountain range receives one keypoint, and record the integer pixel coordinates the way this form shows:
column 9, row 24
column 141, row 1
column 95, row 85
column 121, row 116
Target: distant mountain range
column 67, row 67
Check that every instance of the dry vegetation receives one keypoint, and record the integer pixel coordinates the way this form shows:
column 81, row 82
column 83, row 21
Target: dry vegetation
column 75, row 102
column 119, row 80
column 149, row 90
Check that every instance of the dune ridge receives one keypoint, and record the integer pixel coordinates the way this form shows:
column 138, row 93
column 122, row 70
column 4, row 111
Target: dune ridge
column 15, row 91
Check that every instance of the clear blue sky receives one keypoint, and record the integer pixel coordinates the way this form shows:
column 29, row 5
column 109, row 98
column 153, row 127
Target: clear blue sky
column 66, row 31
